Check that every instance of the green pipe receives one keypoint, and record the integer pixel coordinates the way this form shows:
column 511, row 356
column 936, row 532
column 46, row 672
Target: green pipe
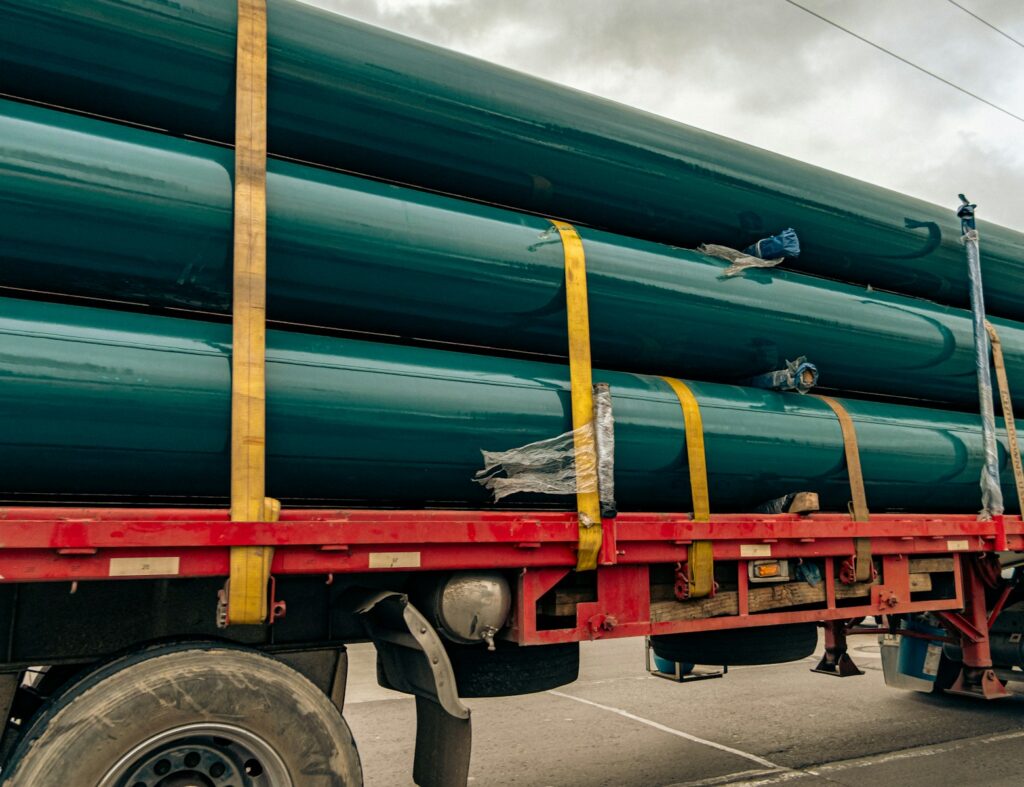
column 362, row 99
column 97, row 209
column 98, row 405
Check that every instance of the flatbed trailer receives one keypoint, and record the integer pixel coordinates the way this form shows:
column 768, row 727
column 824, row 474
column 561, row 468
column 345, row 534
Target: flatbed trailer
column 167, row 647
column 82, row 586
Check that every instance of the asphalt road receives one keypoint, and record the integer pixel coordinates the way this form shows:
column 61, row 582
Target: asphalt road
column 778, row 724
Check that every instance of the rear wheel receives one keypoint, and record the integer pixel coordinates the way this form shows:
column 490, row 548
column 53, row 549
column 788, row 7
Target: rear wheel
column 740, row 647
column 513, row 669
column 204, row 716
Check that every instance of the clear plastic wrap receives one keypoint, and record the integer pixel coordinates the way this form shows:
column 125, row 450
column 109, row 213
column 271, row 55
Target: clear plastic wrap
column 581, row 460
column 604, row 425
column 562, row 465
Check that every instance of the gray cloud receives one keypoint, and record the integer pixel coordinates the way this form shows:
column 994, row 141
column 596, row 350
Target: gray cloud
column 771, row 75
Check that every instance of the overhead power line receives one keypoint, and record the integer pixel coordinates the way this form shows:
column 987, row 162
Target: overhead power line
column 922, row 69
column 985, row 22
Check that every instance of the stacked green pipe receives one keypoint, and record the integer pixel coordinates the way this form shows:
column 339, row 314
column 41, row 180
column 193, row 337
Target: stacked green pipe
column 96, row 209
column 352, row 96
column 97, row 404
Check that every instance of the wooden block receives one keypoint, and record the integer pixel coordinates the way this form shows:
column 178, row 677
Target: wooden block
column 930, row 565
column 804, row 503
column 762, row 597
column 565, row 600
column 766, row 597
column 723, row 603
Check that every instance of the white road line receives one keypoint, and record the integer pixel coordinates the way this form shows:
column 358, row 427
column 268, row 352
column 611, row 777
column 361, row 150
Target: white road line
column 781, row 776
column 672, row 731
column 601, row 681
column 727, row 779
column 785, row 776
column 909, row 754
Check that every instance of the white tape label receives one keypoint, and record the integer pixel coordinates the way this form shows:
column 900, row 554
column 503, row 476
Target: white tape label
column 394, row 560
column 144, row 566
column 755, row 550
column 931, row 660
column 955, row 546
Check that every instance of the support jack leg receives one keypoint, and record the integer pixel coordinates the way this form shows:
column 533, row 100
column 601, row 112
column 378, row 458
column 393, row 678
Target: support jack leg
column 836, row 661
column 977, row 678
column 978, row 683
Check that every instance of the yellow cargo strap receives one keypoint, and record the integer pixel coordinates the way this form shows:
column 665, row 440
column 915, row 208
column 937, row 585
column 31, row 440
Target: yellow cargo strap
column 1007, row 404
column 695, row 454
column 700, row 563
column 859, row 501
column 588, row 504
column 250, row 566
column 700, row 569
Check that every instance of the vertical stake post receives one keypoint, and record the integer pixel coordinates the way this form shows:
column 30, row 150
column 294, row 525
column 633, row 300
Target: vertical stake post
column 991, row 491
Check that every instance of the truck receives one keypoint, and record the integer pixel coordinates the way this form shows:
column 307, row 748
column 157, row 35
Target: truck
column 158, row 632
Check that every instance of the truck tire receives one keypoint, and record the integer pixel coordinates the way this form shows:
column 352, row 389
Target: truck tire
column 513, row 669
column 204, row 714
column 740, row 647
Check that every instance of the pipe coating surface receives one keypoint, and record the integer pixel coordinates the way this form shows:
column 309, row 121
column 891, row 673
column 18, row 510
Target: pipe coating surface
column 349, row 95
column 98, row 209
column 100, row 406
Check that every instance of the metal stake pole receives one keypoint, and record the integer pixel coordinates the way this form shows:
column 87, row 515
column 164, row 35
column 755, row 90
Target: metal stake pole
column 991, row 492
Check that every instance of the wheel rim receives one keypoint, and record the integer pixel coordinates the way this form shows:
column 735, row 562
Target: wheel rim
column 200, row 755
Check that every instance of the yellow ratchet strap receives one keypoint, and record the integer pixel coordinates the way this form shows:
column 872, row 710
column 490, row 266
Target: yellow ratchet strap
column 588, row 503
column 1007, row 404
column 700, row 564
column 700, row 569
column 859, row 501
column 250, row 565
column 695, row 454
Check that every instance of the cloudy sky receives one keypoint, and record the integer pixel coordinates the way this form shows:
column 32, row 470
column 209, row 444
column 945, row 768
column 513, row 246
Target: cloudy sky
column 767, row 73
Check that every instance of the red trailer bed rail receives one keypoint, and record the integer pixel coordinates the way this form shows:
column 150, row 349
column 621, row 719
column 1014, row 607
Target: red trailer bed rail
column 68, row 544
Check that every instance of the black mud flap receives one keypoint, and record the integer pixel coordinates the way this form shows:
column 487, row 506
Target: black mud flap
column 412, row 659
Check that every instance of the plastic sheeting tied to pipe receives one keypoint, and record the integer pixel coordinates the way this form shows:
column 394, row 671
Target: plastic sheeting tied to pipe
column 93, row 208
column 106, row 406
column 800, row 375
column 740, row 261
column 362, row 99
column 785, row 244
column 581, row 460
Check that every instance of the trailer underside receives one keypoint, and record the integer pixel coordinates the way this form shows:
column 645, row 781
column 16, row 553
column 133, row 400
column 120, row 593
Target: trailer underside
column 83, row 586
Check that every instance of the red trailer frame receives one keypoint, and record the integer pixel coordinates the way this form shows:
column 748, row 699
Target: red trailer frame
column 73, row 544
column 552, row 603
